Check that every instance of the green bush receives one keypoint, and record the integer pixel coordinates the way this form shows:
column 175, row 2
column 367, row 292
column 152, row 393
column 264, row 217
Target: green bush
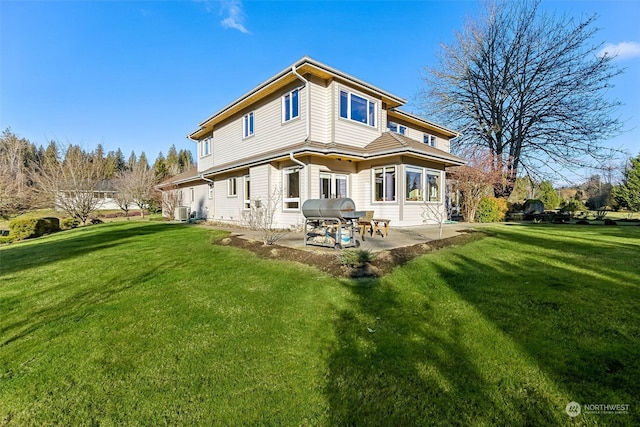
column 356, row 257
column 572, row 206
column 69, row 223
column 26, row 228
column 50, row 225
column 491, row 209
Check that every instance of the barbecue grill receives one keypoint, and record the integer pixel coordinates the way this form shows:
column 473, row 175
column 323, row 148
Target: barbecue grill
column 331, row 222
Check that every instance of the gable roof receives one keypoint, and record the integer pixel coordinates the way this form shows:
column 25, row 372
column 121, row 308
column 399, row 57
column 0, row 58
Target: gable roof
column 304, row 66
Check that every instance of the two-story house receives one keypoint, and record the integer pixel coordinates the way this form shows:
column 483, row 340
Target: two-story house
column 312, row 132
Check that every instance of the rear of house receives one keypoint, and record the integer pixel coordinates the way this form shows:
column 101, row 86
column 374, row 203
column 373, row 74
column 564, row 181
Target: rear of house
column 313, row 132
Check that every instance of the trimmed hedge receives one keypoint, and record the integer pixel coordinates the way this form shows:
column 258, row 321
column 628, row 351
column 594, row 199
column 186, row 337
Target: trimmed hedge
column 491, row 209
column 26, row 228
column 69, row 223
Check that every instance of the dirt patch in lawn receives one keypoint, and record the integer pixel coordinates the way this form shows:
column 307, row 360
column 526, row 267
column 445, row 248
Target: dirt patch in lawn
column 329, row 262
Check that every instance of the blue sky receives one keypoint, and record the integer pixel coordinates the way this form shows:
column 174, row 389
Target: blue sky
column 141, row 75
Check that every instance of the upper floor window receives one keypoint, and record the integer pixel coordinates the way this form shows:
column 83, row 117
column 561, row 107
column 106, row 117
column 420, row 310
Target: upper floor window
column 247, row 125
column 430, row 140
column 394, row 127
column 206, row 147
column 357, row 108
column 291, row 105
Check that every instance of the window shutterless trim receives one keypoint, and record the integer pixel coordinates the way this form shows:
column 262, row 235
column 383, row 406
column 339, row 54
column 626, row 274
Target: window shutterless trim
column 346, row 108
column 248, row 125
column 291, row 106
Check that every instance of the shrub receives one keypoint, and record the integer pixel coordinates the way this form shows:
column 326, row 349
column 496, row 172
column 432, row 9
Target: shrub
column 491, row 209
column 69, row 223
column 95, row 221
column 24, row 228
column 357, row 257
column 50, row 225
column 572, row 206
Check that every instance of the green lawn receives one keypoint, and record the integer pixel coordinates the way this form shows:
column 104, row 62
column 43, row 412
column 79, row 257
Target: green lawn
column 141, row 323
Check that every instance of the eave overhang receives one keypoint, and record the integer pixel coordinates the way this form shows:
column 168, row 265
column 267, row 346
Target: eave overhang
column 305, row 66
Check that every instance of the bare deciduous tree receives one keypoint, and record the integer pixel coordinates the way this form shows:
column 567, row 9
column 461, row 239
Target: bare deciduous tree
column 436, row 212
column 135, row 186
column 170, row 200
column 15, row 193
column 528, row 86
column 122, row 195
column 474, row 181
column 260, row 217
column 73, row 184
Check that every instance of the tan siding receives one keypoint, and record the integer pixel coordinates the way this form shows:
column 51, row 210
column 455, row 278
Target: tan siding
column 350, row 132
column 320, row 111
column 269, row 131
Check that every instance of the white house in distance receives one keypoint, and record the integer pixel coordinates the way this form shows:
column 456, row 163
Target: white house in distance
column 313, row 132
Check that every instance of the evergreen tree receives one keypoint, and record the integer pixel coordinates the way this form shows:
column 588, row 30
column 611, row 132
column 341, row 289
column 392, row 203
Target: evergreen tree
column 131, row 163
column 160, row 168
column 627, row 194
column 142, row 161
column 548, row 195
column 120, row 163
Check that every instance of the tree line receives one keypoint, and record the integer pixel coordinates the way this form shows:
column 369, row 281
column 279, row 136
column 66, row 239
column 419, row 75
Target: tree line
column 76, row 181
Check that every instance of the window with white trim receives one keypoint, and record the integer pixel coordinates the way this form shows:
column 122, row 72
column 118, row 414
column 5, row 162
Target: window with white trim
column 193, row 195
column 291, row 188
column 357, row 108
column 247, row 192
column 430, row 140
column 206, row 147
column 247, row 125
column 433, row 187
column 384, row 183
column 291, row 105
column 413, row 184
column 394, row 127
column 232, row 188
column 333, row 186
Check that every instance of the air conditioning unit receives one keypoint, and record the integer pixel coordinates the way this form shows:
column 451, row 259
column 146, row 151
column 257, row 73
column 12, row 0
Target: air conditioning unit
column 182, row 213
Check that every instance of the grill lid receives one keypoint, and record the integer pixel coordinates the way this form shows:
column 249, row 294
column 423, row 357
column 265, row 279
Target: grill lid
column 329, row 208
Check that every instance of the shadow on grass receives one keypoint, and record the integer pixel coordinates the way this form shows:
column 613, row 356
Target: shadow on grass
column 572, row 304
column 49, row 249
column 562, row 307
column 395, row 363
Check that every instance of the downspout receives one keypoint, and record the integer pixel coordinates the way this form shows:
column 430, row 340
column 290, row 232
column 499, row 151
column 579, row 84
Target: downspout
column 306, row 84
column 293, row 159
column 201, row 176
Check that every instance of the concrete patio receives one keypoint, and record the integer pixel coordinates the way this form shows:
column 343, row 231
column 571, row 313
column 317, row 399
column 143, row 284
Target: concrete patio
column 397, row 237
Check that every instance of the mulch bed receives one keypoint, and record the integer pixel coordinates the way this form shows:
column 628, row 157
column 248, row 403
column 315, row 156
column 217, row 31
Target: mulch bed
column 329, row 262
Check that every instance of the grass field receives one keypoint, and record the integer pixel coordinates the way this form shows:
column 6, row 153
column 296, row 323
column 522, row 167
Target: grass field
column 142, row 323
